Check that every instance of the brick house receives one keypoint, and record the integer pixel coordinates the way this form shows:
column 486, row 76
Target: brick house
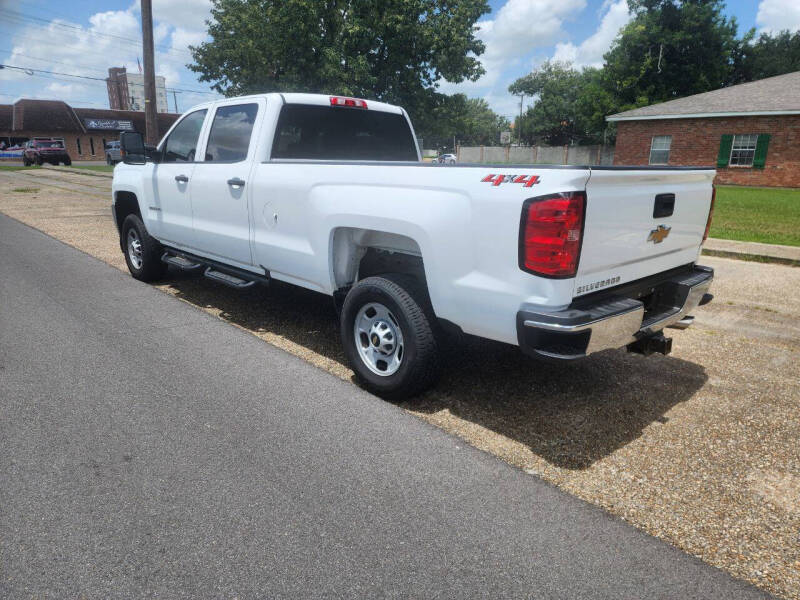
column 749, row 132
column 85, row 131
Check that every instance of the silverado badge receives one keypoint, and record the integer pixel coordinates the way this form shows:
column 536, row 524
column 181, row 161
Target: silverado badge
column 658, row 234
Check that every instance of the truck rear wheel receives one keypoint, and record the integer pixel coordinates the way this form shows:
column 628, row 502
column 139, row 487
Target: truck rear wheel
column 142, row 251
column 388, row 335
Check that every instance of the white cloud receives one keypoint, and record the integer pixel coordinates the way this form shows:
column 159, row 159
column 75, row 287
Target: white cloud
column 589, row 53
column 183, row 38
column 777, row 15
column 189, row 14
column 520, row 27
column 111, row 38
column 524, row 25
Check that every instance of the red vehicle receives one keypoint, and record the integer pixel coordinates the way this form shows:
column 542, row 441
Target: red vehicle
column 41, row 151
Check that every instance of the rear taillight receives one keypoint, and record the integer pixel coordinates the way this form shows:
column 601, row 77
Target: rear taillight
column 710, row 211
column 351, row 102
column 550, row 234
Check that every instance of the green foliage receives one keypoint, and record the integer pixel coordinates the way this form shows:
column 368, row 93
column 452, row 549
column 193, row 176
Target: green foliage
column 571, row 105
column 766, row 56
column 477, row 123
column 390, row 50
column 669, row 50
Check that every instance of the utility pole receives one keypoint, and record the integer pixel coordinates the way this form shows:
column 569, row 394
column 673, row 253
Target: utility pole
column 519, row 125
column 175, row 98
column 150, row 107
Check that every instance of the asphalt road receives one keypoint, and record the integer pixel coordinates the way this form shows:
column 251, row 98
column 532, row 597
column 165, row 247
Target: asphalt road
column 149, row 449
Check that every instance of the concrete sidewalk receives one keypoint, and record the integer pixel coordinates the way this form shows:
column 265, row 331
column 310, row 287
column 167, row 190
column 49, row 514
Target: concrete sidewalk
column 773, row 253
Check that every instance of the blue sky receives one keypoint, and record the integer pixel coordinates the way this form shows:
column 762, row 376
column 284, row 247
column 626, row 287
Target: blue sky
column 85, row 37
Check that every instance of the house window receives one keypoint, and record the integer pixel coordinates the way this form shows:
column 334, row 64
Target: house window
column 78, row 140
column 659, row 149
column 743, row 150
column 91, row 145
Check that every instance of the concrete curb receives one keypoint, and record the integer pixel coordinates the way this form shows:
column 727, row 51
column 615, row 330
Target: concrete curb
column 753, row 251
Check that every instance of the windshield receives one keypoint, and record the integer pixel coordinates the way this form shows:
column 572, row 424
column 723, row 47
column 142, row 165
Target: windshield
column 49, row 144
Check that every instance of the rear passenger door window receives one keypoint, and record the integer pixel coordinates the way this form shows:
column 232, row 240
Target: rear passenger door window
column 229, row 139
column 181, row 145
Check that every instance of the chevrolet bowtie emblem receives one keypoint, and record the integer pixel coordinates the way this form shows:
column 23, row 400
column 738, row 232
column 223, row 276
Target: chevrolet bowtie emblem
column 658, row 234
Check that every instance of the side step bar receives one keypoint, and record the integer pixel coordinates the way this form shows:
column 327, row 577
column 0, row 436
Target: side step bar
column 228, row 279
column 181, row 262
column 225, row 274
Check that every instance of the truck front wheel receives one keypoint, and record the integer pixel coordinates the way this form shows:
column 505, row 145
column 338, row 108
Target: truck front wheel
column 142, row 251
column 388, row 336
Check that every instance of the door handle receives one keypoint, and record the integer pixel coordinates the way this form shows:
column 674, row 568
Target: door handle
column 181, row 178
column 236, row 183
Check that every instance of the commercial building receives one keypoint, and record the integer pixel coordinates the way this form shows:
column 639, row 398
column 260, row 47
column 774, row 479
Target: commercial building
column 749, row 132
column 84, row 131
column 126, row 90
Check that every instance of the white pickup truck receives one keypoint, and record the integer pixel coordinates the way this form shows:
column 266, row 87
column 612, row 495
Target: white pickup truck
column 329, row 193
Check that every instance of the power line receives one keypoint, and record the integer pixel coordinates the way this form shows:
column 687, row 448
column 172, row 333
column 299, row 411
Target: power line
column 30, row 71
column 20, row 18
column 37, row 97
column 64, row 38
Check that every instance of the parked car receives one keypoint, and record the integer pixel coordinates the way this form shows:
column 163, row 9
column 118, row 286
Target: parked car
column 560, row 261
column 447, row 159
column 113, row 154
column 40, row 151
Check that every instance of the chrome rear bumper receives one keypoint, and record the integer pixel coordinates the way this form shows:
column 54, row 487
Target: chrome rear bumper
column 613, row 321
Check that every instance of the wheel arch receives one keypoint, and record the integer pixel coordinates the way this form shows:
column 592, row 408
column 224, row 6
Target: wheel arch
column 125, row 203
column 357, row 253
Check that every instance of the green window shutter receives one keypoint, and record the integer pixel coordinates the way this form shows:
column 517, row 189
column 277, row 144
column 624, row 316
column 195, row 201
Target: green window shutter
column 724, row 150
column 760, row 157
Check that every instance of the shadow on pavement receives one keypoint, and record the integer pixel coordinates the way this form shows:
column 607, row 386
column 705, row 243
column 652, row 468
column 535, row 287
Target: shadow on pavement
column 571, row 415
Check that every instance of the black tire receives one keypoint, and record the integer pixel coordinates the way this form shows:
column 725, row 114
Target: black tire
column 67, row 162
column 25, row 162
column 39, row 161
column 151, row 267
column 407, row 301
column 109, row 162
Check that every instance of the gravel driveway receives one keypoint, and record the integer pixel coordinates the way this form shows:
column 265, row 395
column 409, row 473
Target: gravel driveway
column 699, row 448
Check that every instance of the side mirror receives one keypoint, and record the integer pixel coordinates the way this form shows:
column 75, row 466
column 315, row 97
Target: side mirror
column 131, row 145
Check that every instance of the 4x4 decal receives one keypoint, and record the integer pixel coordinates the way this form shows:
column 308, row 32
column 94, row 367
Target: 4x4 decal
column 495, row 180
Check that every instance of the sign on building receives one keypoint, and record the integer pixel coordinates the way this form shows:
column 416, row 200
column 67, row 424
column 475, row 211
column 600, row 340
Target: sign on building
column 505, row 138
column 112, row 124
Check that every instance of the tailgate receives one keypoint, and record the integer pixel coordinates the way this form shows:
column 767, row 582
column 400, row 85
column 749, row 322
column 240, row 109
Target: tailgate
column 624, row 241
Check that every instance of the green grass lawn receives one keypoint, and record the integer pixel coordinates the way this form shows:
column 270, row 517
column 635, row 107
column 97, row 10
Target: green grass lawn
column 15, row 167
column 103, row 168
column 767, row 215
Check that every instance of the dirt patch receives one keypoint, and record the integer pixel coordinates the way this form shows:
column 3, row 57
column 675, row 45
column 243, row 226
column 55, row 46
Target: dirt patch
column 698, row 448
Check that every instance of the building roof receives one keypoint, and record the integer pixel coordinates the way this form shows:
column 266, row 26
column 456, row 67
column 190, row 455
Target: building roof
column 772, row 96
column 6, row 112
column 56, row 115
column 59, row 116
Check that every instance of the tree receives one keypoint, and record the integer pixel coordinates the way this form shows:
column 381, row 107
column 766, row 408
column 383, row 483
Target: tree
column 390, row 50
column 768, row 56
column 474, row 122
column 671, row 49
column 571, row 105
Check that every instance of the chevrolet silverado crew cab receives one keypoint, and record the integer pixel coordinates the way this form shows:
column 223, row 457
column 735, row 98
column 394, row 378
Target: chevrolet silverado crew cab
column 329, row 193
